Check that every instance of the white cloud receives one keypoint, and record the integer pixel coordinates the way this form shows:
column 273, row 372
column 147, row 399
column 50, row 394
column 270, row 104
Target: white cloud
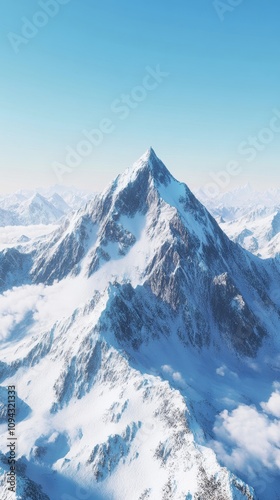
column 10, row 235
column 47, row 304
column 223, row 370
column 248, row 439
column 176, row 376
column 272, row 407
column 15, row 304
column 167, row 369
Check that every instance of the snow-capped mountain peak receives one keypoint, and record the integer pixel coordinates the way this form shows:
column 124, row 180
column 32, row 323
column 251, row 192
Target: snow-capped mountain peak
column 149, row 163
column 144, row 316
column 58, row 202
column 38, row 210
column 150, row 229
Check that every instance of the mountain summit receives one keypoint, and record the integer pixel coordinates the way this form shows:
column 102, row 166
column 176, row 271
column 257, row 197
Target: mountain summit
column 142, row 321
column 148, row 162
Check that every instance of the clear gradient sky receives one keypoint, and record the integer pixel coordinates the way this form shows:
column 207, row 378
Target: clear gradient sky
column 62, row 78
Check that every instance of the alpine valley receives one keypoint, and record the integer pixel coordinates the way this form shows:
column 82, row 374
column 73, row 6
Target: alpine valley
column 144, row 347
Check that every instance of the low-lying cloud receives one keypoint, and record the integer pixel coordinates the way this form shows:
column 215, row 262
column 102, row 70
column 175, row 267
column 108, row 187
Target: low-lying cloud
column 176, row 376
column 248, row 439
column 43, row 304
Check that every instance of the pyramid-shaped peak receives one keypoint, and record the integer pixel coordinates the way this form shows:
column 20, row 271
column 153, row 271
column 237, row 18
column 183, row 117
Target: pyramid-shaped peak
column 38, row 198
column 149, row 155
column 151, row 163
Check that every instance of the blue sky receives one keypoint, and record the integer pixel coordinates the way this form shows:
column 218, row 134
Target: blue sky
column 220, row 92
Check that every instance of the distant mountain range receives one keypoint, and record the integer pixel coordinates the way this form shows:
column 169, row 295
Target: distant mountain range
column 249, row 217
column 241, row 197
column 27, row 208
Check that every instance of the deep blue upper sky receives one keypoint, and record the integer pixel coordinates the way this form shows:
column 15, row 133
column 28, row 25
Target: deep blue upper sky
column 222, row 87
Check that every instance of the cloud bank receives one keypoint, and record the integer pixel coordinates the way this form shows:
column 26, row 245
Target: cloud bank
column 248, row 438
